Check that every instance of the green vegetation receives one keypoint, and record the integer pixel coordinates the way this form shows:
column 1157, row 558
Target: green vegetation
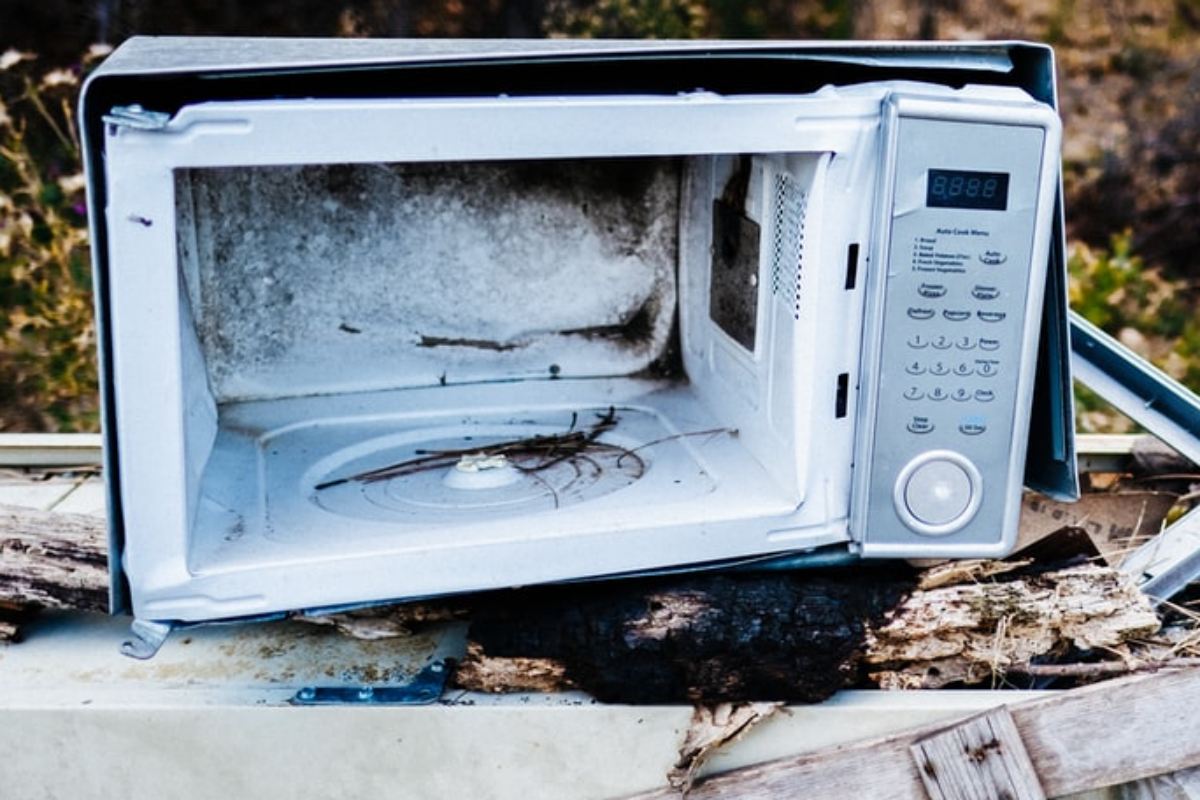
column 47, row 339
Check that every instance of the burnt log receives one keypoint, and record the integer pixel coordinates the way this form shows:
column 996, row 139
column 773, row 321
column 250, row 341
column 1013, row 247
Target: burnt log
column 797, row 637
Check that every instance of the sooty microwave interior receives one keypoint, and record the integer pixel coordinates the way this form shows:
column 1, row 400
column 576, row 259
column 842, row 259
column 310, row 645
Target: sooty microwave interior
column 437, row 353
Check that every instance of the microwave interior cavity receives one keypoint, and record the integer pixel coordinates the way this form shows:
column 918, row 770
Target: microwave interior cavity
column 405, row 355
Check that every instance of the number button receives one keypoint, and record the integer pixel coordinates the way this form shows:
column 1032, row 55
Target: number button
column 986, row 369
column 941, row 342
column 915, row 368
column 917, row 341
column 962, row 369
column 913, row 393
column 965, row 343
column 938, row 394
column 939, row 369
column 961, row 395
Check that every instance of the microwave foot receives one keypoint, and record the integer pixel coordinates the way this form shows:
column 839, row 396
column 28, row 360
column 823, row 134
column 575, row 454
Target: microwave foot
column 145, row 637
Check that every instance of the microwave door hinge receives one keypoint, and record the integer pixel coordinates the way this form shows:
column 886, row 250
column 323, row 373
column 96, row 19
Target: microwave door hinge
column 137, row 118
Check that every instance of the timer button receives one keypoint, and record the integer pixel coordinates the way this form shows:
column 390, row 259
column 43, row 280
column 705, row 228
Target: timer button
column 938, row 493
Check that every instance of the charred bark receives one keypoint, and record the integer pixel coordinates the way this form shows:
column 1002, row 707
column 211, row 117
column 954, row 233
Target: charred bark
column 796, row 637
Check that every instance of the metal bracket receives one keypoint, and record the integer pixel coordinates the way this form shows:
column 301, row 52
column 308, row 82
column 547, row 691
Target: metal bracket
column 1138, row 389
column 425, row 687
column 134, row 116
column 146, row 637
column 1166, row 564
column 1170, row 561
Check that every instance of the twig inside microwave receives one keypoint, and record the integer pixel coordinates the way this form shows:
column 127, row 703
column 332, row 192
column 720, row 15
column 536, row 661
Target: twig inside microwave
column 572, row 446
column 549, row 450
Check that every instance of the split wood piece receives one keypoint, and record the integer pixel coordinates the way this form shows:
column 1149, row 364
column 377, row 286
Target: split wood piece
column 1148, row 725
column 972, row 632
column 711, row 728
column 52, row 560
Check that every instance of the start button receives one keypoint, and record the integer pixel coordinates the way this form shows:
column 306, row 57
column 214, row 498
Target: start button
column 938, row 492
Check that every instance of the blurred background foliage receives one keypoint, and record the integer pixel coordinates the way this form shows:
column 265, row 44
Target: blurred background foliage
column 1129, row 92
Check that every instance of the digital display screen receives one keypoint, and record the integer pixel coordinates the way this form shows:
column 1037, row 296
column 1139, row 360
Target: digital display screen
column 958, row 188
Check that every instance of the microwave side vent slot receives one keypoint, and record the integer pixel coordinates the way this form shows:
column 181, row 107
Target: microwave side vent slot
column 787, row 241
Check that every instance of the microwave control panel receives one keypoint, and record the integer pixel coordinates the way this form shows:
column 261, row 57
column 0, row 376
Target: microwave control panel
column 953, row 346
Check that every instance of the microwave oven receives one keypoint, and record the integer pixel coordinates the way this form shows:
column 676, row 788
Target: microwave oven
column 386, row 320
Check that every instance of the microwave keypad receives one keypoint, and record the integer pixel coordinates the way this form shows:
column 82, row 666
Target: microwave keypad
column 952, row 346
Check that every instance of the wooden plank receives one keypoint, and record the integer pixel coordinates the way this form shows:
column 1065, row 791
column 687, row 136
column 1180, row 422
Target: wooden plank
column 53, row 560
column 1148, row 723
column 980, row 759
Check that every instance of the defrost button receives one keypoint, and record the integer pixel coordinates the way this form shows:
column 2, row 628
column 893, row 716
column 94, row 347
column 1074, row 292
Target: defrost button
column 921, row 313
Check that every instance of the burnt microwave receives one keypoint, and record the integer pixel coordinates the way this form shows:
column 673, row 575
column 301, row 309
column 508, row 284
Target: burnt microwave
column 387, row 320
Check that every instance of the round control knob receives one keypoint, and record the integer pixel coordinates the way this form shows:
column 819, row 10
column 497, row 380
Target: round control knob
column 938, row 492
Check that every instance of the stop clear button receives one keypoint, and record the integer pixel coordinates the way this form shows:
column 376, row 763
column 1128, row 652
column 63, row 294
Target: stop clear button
column 938, row 492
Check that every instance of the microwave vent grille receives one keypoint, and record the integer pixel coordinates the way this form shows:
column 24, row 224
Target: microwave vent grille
column 787, row 241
